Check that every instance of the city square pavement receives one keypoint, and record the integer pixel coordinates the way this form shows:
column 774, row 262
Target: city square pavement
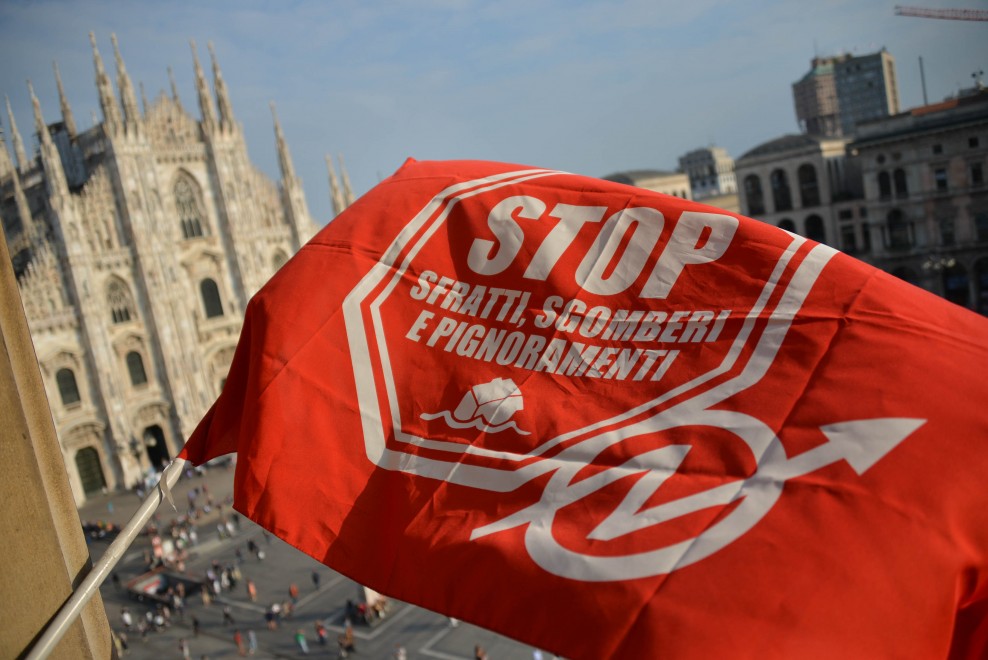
column 422, row 633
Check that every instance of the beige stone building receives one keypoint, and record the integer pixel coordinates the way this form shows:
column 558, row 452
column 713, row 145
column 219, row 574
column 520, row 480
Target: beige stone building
column 137, row 244
column 925, row 175
column 908, row 194
column 669, row 183
column 801, row 183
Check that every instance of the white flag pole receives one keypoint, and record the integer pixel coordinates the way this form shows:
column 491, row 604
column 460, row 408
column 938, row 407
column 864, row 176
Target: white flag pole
column 62, row 621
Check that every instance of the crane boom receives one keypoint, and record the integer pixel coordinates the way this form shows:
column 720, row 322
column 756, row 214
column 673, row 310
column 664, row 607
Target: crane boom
column 947, row 14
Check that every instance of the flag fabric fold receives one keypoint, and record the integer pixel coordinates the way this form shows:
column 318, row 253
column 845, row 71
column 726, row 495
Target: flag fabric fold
column 613, row 423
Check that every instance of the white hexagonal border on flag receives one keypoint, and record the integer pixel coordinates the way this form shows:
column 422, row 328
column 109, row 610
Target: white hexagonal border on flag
column 390, row 269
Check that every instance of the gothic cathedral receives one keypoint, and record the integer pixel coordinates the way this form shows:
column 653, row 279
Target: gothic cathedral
column 137, row 244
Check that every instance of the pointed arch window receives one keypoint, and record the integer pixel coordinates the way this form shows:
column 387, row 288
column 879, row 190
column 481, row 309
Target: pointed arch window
column 279, row 259
column 68, row 389
column 119, row 301
column 211, row 300
column 189, row 208
column 135, row 367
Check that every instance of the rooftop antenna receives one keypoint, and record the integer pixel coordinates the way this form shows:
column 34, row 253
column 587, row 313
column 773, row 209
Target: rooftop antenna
column 922, row 80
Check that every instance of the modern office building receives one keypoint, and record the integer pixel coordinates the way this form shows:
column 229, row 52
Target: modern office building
column 136, row 245
column 842, row 91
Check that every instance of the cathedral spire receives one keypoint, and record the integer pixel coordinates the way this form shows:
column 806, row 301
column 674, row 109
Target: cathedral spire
column 50, row 159
column 222, row 96
column 144, row 98
column 171, row 80
column 127, row 96
column 348, row 196
column 64, row 102
column 284, row 158
column 296, row 210
column 334, row 188
column 6, row 166
column 107, row 101
column 23, row 208
column 205, row 100
column 15, row 139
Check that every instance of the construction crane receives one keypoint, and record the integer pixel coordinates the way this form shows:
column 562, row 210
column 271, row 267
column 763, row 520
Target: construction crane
column 946, row 14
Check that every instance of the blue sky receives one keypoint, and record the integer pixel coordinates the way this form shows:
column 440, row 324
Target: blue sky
column 588, row 87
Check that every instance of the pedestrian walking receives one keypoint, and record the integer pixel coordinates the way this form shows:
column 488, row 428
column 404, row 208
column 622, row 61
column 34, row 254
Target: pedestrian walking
column 183, row 648
column 238, row 639
column 400, row 652
column 346, row 640
column 315, row 579
column 227, row 616
column 479, row 653
column 251, row 642
column 303, row 645
column 293, row 592
column 251, row 590
column 195, row 626
column 126, row 618
column 321, row 633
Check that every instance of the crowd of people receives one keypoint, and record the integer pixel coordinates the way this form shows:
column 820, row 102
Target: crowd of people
column 228, row 588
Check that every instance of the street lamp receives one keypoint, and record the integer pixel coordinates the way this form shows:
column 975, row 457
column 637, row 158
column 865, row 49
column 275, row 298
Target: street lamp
column 937, row 263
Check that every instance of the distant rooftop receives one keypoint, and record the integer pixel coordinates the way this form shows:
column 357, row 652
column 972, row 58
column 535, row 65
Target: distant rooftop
column 789, row 142
column 635, row 177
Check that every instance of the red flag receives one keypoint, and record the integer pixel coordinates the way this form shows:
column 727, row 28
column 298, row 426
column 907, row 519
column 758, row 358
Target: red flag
column 612, row 423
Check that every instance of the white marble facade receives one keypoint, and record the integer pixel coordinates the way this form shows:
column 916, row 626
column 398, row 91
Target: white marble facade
column 137, row 244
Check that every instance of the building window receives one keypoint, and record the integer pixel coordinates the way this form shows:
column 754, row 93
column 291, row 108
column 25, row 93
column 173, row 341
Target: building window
column 981, row 226
column 781, row 196
column 118, row 299
column 884, row 185
column 973, row 142
column 189, row 211
column 68, row 390
column 981, row 282
column 848, row 239
column 815, row 230
column 977, row 173
column 937, row 149
column 753, row 193
column 211, row 298
column 809, row 191
column 946, row 231
column 940, row 177
column 135, row 367
column 788, row 225
column 898, row 230
column 901, row 189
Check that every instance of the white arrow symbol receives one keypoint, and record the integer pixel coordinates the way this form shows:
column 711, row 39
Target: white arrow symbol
column 860, row 443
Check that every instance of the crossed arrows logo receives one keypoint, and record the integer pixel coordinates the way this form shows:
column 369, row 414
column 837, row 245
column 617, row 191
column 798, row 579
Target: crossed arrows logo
column 859, row 443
